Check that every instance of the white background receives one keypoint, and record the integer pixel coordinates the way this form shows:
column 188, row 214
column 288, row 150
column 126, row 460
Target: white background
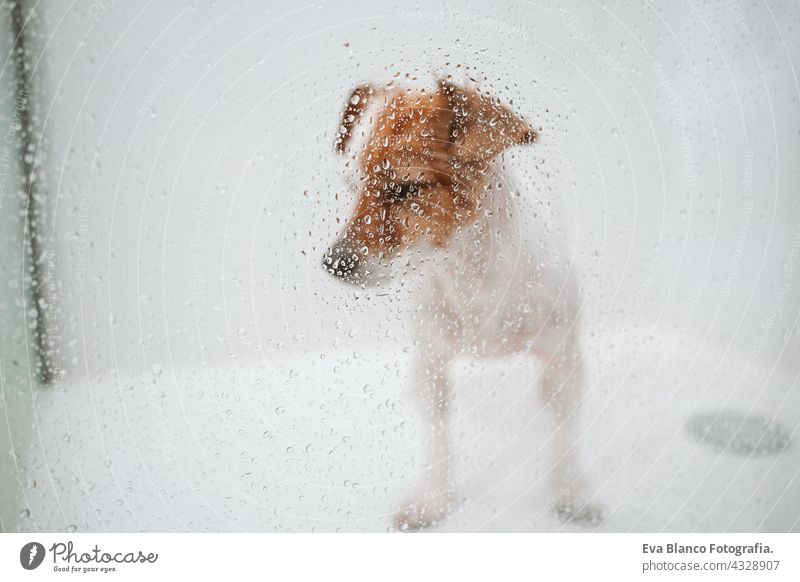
column 362, row 557
column 182, row 136
column 217, row 378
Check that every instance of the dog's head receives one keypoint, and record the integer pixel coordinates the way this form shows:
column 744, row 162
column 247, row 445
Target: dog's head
column 422, row 169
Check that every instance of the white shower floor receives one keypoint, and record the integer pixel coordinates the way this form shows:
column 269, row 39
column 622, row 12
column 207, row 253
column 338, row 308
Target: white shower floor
column 328, row 442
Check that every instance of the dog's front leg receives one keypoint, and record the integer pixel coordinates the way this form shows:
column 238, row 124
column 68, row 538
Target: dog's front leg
column 433, row 498
column 562, row 387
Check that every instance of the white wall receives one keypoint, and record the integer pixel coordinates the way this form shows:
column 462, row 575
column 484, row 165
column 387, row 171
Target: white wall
column 182, row 136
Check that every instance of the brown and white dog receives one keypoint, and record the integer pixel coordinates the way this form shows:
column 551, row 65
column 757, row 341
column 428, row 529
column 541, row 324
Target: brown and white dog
column 431, row 182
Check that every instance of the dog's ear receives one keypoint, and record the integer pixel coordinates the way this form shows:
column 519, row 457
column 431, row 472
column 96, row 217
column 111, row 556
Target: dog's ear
column 356, row 104
column 482, row 127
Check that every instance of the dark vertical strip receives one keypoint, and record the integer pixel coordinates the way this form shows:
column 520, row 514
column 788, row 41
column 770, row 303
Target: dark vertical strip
column 33, row 219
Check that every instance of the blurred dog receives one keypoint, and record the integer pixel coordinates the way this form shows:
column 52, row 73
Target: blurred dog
column 431, row 181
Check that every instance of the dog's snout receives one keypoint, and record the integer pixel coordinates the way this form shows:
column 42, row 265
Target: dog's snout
column 342, row 262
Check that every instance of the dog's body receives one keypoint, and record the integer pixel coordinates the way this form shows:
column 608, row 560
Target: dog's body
column 495, row 282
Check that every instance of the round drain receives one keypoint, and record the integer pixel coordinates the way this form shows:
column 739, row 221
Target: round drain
column 738, row 433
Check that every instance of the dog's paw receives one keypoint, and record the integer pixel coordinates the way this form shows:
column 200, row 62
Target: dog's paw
column 423, row 511
column 579, row 512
